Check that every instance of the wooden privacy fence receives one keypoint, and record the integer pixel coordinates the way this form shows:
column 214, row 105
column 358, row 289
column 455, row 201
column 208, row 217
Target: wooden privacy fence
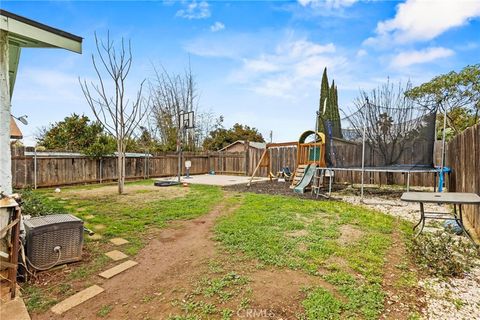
column 463, row 156
column 57, row 169
column 42, row 170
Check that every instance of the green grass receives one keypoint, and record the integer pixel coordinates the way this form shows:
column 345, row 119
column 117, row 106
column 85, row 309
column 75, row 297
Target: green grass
column 127, row 219
column 321, row 304
column 277, row 231
column 104, row 311
column 37, row 299
column 262, row 229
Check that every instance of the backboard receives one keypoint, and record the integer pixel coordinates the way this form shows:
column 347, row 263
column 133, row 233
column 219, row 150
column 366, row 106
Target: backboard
column 187, row 120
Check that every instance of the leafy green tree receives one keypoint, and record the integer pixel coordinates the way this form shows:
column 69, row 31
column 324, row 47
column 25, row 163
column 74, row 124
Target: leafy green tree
column 103, row 145
column 458, row 93
column 78, row 134
column 222, row 137
column 74, row 133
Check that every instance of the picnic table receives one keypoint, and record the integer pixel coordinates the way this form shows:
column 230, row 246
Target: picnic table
column 457, row 199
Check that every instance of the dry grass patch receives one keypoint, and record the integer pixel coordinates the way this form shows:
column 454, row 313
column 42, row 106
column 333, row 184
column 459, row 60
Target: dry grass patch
column 349, row 234
column 132, row 192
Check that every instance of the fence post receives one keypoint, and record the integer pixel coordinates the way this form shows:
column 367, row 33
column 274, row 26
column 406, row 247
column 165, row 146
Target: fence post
column 35, row 168
column 247, row 156
column 101, row 169
column 148, row 165
column 145, row 165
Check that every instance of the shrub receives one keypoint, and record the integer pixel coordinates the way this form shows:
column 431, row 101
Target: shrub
column 443, row 253
column 35, row 204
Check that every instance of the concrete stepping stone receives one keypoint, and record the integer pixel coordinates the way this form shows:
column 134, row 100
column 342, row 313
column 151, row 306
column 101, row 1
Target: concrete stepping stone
column 107, row 274
column 13, row 309
column 76, row 299
column 116, row 255
column 118, row 241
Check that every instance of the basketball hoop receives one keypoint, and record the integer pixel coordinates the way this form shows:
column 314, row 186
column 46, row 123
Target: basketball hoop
column 186, row 120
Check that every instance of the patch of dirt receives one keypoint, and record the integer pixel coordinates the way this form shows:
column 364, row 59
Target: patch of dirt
column 98, row 227
column 349, row 234
column 280, row 291
column 152, row 193
column 400, row 301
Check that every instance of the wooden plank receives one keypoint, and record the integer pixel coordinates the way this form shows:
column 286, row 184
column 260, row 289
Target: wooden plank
column 76, row 299
column 107, row 274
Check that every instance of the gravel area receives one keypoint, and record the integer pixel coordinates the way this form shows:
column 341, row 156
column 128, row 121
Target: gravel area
column 452, row 298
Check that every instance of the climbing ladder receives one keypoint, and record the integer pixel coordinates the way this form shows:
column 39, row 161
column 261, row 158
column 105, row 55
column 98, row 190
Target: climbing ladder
column 318, row 179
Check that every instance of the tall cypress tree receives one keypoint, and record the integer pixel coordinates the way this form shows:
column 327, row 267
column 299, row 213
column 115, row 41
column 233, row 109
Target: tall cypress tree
column 324, row 95
column 329, row 111
column 334, row 113
column 338, row 125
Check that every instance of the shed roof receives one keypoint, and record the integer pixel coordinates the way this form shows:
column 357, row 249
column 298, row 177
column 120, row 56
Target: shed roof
column 252, row 144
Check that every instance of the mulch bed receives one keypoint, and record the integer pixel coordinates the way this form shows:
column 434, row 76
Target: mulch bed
column 283, row 188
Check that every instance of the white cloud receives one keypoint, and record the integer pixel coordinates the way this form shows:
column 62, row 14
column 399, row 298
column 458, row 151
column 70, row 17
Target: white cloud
column 362, row 53
column 195, row 10
column 407, row 58
column 335, row 4
column 418, row 20
column 232, row 45
column 295, row 63
column 217, row 26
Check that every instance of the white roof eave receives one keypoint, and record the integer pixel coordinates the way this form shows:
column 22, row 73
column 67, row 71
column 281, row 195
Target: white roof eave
column 25, row 35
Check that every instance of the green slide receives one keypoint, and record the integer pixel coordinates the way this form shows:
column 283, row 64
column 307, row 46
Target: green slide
column 306, row 180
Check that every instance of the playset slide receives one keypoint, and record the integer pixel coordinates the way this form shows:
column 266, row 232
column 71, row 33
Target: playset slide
column 306, row 179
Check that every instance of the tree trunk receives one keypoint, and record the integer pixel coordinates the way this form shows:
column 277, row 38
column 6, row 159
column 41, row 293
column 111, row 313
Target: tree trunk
column 120, row 167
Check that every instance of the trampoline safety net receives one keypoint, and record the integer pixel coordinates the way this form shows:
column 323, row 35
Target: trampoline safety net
column 402, row 138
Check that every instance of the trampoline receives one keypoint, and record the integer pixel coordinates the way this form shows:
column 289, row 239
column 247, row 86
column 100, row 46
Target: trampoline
column 384, row 139
column 408, row 170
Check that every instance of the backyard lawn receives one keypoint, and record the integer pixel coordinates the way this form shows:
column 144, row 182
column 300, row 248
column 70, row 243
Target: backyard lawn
column 208, row 253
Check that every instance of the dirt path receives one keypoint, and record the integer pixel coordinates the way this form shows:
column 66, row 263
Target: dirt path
column 403, row 295
column 168, row 262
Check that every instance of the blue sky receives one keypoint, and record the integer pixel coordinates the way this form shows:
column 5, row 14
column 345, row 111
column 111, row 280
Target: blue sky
column 256, row 62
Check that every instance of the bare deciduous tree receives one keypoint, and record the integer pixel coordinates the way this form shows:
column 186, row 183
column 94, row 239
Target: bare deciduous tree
column 171, row 94
column 107, row 98
column 393, row 124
